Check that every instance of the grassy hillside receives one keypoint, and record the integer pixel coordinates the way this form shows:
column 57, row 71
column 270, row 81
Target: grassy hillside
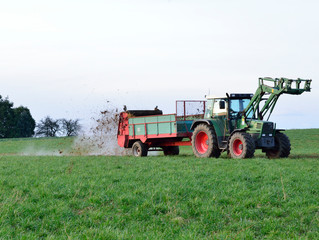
column 158, row 197
column 303, row 142
column 35, row 146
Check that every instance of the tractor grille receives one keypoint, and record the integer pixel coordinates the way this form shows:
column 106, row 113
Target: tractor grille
column 268, row 128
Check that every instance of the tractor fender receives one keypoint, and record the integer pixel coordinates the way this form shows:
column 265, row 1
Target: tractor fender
column 214, row 125
column 199, row 121
column 280, row 130
column 236, row 130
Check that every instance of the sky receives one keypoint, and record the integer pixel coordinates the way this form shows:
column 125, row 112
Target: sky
column 72, row 59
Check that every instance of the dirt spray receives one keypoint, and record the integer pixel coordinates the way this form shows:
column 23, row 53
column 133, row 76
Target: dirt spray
column 101, row 139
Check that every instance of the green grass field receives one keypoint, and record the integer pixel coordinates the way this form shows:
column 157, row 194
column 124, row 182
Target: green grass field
column 157, row 197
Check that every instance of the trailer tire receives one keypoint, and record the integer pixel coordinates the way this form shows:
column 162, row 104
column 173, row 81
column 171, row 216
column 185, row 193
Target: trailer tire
column 171, row 150
column 241, row 145
column 139, row 149
column 282, row 147
column 204, row 142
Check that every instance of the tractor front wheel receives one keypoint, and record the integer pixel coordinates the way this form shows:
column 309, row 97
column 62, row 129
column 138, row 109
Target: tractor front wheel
column 139, row 149
column 282, row 147
column 241, row 145
column 204, row 142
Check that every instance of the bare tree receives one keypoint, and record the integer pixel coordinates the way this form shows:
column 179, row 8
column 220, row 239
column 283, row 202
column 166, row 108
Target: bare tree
column 70, row 127
column 48, row 127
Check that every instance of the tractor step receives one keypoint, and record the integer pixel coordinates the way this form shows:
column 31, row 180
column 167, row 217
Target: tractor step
column 223, row 145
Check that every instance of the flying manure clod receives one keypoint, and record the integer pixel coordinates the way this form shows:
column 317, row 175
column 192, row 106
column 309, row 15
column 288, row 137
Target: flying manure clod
column 235, row 123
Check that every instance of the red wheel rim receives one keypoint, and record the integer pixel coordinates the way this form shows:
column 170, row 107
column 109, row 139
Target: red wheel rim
column 201, row 142
column 237, row 147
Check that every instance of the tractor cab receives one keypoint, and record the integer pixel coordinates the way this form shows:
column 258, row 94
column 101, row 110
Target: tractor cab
column 228, row 110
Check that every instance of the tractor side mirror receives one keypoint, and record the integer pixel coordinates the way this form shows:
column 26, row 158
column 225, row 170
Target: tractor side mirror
column 221, row 104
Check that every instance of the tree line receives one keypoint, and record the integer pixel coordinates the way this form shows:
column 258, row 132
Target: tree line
column 15, row 122
column 49, row 127
column 18, row 122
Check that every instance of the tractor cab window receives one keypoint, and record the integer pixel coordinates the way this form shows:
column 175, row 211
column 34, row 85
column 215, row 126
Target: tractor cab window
column 215, row 107
column 219, row 107
column 237, row 106
column 209, row 108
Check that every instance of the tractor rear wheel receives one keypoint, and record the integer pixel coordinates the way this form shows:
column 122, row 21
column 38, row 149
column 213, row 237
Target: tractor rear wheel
column 204, row 142
column 139, row 149
column 282, row 147
column 171, row 150
column 241, row 145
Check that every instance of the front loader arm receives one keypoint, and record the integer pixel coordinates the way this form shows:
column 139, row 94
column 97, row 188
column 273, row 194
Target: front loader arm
column 280, row 86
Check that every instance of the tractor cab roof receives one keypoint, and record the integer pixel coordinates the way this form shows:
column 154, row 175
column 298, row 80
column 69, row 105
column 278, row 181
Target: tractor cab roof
column 214, row 97
column 240, row 95
column 233, row 96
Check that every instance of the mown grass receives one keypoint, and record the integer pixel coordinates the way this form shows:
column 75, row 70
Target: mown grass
column 158, row 197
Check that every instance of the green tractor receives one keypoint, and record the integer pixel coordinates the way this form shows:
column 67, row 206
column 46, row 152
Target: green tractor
column 237, row 124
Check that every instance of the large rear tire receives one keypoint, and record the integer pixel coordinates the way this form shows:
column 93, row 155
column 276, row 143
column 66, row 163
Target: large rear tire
column 241, row 145
column 204, row 142
column 171, row 150
column 139, row 149
column 282, row 147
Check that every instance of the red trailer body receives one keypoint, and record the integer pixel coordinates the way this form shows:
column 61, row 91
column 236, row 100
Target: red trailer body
column 173, row 138
column 151, row 130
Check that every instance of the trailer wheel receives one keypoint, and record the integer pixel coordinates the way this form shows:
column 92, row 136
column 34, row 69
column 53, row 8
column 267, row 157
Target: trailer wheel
column 241, row 145
column 204, row 142
column 282, row 147
column 139, row 149
column 171, row 150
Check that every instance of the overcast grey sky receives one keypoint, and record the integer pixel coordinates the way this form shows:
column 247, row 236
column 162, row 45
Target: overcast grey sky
column 68, row 58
